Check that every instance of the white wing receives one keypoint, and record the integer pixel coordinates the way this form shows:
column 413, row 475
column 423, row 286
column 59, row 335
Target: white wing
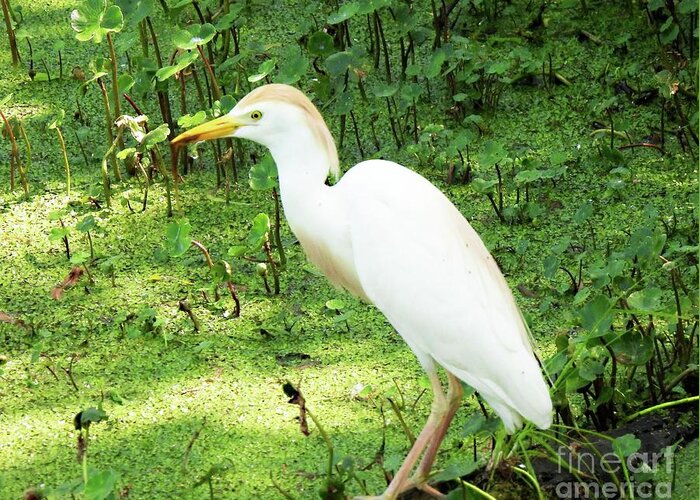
column 420, row 262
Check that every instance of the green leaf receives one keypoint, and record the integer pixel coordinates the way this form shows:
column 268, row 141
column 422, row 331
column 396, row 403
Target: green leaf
column 483, row 186
column 87, row 224
column 590, row 369
column 596, row 316
column 58, row 233
column 385, row 90
column 194, row 36
column 492, row 154
column 555, row 364
column 338, row 63
column 647, row 300
column 551, row 266
column 343, row 104
column 101, row 485
column 687, row 6
column 434, row 66
column 90, row 416
column 93, row 20
column 57, row 120
column 135, row 10
column 455, row 469
column 178, row 237
column 293, row 67
column 527, row 176
column 478, row 424
column 497, row 67
column 263, row 175
column 158, row 134
column 221, row 271
column 626, row 445
column 575, row 381
column 345, row 12
column 112, row 19
column 631, row 348
column 335, row 304
column 259, row 231
column 181, row 62
column 79, row 258
column 237, row 250
column 5, row 100
column 189, row 121
column 668, row 31
column 581, row 296
column 124, row 82
column 263, row 70
column 583, row 212
column 320, row 44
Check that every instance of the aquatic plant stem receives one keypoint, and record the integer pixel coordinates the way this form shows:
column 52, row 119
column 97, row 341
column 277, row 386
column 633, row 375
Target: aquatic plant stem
column 65, row 159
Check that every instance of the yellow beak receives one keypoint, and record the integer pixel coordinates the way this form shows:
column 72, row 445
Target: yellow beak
column 223, row 126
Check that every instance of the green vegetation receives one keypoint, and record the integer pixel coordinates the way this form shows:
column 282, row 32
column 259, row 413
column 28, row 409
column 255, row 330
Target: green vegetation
column 566, row 132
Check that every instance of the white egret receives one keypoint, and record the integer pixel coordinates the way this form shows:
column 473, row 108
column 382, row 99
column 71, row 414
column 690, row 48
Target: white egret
column 390, row 237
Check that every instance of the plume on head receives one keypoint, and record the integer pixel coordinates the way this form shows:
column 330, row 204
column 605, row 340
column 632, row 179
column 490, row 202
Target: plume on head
column 290, row 95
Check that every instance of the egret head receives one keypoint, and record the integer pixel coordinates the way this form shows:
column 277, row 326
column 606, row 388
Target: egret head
column 271, row 115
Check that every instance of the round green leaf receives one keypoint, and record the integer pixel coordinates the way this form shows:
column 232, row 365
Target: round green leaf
column 194, row 35
column 93, row 19
column 87, row 224
column 345, row 12
column 647, row 300
column 263, row 70
column 292, row 69
column 483, row 186
column 263, row 175
column 338, row 63
column 320, row 44
column 335, row 304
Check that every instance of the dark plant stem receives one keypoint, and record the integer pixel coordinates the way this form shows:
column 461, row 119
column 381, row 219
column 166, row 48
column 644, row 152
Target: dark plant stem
column 184, row 306
column 24, row 169
column 357, row 134
column 115, row 85
column 65, row 239
column 385, row 47
column 65, row 159
column 108, row 128
column 143, row 37
column 276, row 232
column 273, row 266
column 163, row 98
column 216, row 91
column 229, row 284
column 14, row 154
column 392, row 123
column 106, row 183
column 69, row 372
column 82, row 148
column 46, row 68
column 131, row 169
column 10, row 32
column 92, row 249
column 402, row 422
column 500, row 188
column 146, row 186
column 495, row 208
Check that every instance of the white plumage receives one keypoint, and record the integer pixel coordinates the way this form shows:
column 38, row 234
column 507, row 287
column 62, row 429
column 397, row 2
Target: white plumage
column 389, row 236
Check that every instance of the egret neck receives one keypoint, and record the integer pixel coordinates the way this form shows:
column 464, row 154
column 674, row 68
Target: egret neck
column 303, row 167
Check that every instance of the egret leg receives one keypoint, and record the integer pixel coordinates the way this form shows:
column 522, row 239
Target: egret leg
column 401, row 482
column 454, row 398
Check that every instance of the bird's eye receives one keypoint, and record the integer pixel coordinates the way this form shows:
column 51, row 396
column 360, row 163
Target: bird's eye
column 256, row 115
